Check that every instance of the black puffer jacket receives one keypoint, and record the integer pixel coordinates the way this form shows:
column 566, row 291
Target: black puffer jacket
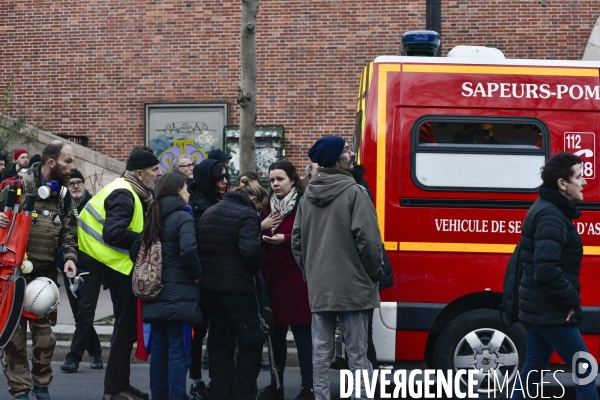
column 551, row 250
column 179, row 299
column 229, row 245
column 199, row 201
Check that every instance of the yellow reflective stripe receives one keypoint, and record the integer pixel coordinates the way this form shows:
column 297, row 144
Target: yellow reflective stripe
column 499, row 70
column 97, row 236
column 468, row 247
column 390, row 245
column 457, row 247
column 381, row 142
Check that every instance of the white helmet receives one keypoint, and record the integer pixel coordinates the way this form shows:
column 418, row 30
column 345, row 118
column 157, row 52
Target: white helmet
column 41, row 297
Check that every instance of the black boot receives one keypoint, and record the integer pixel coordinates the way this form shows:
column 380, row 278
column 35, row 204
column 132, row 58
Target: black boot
column 70, row 365
column 271, row 393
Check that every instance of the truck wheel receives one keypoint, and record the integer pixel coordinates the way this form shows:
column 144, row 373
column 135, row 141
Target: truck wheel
column 478, row 340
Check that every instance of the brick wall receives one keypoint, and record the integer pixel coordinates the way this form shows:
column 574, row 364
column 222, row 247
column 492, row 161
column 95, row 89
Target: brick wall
column 88, row 66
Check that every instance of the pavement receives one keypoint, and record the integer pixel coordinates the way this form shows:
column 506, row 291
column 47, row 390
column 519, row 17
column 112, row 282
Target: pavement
column 103, row 323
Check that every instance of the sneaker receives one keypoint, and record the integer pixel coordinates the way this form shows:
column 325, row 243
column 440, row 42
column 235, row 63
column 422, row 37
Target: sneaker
column 199, row 392
column 305, row 394
column 96, row 363
column 138, row 393
column 205, row 361
column 70, row 365
column 264, row 365
column 22, row 396
column 271, row 393
column 41, row 393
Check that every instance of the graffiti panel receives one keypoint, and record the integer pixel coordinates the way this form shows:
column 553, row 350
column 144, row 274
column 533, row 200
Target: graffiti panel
column 184, row 129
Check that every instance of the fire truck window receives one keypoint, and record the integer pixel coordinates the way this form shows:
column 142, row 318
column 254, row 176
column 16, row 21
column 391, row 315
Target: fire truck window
column 478, row 153
column 482, row 135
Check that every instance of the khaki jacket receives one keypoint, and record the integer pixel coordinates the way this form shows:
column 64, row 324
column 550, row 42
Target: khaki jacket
column 337, row 244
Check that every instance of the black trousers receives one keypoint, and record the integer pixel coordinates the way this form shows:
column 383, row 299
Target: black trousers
column 233, row 316
column 196, row 350
column 84, row 309
column 124, row 302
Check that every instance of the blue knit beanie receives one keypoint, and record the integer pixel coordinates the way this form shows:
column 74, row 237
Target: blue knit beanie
column 326, row 151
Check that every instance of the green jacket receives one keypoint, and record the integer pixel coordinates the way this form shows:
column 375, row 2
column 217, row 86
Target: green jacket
column 337, row 244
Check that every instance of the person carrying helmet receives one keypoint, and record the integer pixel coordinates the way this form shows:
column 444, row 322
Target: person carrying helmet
column 84, row 298
column 52, row 224
column 106, row 228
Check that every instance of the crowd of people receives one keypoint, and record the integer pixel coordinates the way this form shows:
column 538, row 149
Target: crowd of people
column 240, row 265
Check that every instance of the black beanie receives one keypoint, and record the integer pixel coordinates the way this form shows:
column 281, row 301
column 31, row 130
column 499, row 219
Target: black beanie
column 77, row 174
column 141, row 159
column 327, row 151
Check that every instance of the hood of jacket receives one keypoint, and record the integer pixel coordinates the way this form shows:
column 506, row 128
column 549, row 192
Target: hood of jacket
column 203, row 184
column 328, row 184
column 169, row 205
column 239, row 198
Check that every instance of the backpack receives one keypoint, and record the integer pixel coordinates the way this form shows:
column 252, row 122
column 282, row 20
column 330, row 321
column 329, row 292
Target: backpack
column 509, row 309
column 147, row 271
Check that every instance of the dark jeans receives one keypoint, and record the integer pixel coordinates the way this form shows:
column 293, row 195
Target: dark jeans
column 541, row 342
column 303, row 338
column 196, row 352
column 233, row 316
column 124, row 302
column 168, row 363
column 84, row 310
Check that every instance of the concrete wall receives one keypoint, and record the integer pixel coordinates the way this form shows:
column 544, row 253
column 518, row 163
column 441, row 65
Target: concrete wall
column 592, row 50
column 97, row 168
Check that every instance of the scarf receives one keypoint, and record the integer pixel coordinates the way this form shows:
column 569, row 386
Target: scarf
column 78, row 203
column 284, row 206
column 145, row 194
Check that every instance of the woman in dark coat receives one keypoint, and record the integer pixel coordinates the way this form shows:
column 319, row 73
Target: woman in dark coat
column 172, row 313
column 284, row 280
column 229, row 248
column 551, row 252
column 211, row 181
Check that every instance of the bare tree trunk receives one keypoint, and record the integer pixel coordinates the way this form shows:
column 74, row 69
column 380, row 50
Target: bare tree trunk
column 247, row 91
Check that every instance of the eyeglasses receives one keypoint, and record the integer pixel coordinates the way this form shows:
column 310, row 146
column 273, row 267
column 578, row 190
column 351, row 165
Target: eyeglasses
column 76, row 183
column 223, row 177
column 186, row 165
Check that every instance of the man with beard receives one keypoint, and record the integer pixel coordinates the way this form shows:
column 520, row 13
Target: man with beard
column 21, row 158
column 52, row 224
column 84, row 298
column 337, row 209
column 107, row 227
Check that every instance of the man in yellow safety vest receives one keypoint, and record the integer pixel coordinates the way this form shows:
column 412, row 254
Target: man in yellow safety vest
column 107, row 227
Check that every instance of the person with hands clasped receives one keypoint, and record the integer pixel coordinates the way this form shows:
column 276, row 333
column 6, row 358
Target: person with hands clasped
column 284, row 280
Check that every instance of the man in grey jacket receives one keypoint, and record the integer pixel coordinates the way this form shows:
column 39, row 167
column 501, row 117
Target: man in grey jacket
column 337, row 244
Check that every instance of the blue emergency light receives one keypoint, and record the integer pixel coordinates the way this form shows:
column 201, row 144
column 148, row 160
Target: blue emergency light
column 420, row 43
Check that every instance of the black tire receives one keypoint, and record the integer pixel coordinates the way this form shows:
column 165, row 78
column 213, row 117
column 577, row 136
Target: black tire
column 481, row 335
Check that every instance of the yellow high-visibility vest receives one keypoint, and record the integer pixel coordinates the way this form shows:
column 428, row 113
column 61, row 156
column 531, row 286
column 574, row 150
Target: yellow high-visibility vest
column 91, row 222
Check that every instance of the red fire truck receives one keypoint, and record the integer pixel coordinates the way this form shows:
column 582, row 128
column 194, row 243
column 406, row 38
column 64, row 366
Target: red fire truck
column 453, row 148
